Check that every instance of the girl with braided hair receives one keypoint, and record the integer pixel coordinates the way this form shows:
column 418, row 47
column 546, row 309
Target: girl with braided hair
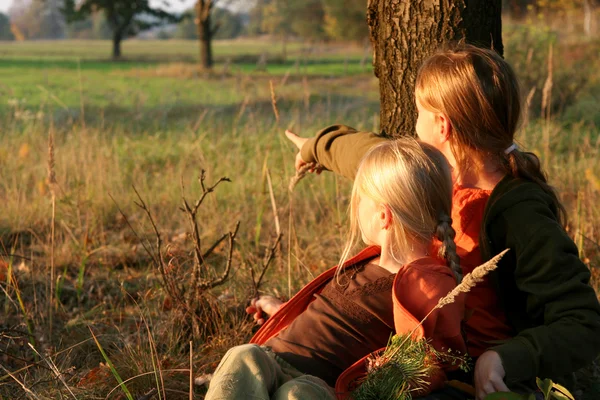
column 536, row 315
column 315, row 345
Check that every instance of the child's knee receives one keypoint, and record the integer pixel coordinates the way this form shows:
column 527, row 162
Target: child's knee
column 247, row 359
column 243, row 353
column 305, row 387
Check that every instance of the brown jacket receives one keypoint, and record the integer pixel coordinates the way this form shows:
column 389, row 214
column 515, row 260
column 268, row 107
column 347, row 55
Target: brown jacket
column 417, row 288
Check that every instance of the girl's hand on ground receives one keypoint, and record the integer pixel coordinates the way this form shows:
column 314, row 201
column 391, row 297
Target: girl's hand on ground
column 299, row 142
column 263, row 306
column 489, row 375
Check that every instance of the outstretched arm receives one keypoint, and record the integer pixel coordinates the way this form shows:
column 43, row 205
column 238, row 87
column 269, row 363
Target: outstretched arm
column 338, row 148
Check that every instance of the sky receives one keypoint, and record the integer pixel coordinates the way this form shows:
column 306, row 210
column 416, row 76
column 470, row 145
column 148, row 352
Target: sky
column 5, row 5
column 177, row 5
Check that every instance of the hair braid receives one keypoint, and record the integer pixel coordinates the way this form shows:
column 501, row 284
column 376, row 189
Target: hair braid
column 445, row 234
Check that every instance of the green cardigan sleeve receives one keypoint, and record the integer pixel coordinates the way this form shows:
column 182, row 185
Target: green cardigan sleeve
column 339, row 148
column 557, row 311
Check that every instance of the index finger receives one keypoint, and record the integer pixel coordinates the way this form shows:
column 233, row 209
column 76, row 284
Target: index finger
column 297, row 140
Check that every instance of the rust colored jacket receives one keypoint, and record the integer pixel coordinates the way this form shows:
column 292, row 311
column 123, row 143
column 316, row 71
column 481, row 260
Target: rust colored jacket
column 416, row 290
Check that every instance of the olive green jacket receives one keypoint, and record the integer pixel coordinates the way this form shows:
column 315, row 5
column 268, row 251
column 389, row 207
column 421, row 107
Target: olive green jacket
column 542, row 283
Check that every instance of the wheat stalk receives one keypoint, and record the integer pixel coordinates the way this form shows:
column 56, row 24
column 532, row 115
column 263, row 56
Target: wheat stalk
column 51, row 181
column 274, row 101
column 468, row 283
column 301, row 173
column 547, row 108
column 470, row 280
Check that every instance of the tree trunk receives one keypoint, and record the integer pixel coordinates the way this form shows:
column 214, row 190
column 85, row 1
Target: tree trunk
column 117, row 38
column 205, row 37
column 403, row 33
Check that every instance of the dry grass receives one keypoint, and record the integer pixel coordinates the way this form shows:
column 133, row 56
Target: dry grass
column 104, row 279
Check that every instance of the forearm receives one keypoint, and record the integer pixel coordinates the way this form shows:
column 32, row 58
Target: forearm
column 340, row 148
column 549, row 351
column 559, row 327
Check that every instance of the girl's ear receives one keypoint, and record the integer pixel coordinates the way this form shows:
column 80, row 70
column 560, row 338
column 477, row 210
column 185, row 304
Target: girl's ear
column 445, row 128
column 385, row 217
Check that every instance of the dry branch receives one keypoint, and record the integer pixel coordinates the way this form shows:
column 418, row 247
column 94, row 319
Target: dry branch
column 265, row 265
column 191, row 296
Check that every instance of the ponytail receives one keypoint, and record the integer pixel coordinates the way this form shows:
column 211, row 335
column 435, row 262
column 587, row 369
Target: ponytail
column 526, row 165
column 446, row 234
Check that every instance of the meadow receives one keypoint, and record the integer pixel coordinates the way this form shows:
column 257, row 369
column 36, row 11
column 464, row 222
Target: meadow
column 82, row 299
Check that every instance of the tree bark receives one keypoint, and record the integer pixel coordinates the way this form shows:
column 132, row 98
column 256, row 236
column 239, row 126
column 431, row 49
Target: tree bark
column 403, row 33
column 205, row 33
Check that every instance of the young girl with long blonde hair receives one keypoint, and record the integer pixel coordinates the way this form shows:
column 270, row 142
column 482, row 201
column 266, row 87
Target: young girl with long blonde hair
column 536, row 316
column 316, row 342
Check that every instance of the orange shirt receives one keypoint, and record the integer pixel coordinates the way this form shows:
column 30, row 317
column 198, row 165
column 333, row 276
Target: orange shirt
column 485, row 320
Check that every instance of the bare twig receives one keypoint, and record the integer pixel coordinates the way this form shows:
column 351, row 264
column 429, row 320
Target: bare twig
column 191, row 214
column 208, row 190
column 214, row 246
column 225, row 274
column 189, row 294
column 265, row 265
column 133, row 230
column 159, row 261
column 191, row 370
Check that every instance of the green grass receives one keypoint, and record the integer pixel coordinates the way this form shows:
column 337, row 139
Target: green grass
column 172, row 50
column 154, row 121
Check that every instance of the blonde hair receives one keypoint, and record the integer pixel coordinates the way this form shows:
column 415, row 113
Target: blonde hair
column 413, row 180
column 478, row 91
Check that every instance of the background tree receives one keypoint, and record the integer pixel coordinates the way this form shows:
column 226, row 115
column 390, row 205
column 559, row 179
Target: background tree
column 518, row 8
column 346, row 20
column 205, row 30
column 276, row 20
column 230, row 25
column 284, row 19
column 39, row 19
column 5, row 31
column 403, row 33
column 94, row 26
column 125, row 17
column 255, row 15
column 307, row 18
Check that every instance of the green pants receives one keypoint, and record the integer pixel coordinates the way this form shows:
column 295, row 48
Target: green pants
column 250, row 371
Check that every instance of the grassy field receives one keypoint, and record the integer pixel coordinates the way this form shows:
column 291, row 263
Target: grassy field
column 153, row 122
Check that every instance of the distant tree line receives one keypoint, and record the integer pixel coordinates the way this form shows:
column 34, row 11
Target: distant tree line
column 87, row 19
column 310, row 19
column 307, row 19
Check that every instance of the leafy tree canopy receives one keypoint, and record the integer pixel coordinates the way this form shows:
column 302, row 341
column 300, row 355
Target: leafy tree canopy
column 225, row 23
column 127, row 17
column 5, row 31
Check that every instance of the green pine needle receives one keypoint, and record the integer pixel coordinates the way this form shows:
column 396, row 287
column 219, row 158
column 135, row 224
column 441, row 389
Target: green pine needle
column 404, row 368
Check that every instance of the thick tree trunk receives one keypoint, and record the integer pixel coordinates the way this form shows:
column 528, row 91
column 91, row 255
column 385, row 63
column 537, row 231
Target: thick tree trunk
column 403, row 33
column 117, row 38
